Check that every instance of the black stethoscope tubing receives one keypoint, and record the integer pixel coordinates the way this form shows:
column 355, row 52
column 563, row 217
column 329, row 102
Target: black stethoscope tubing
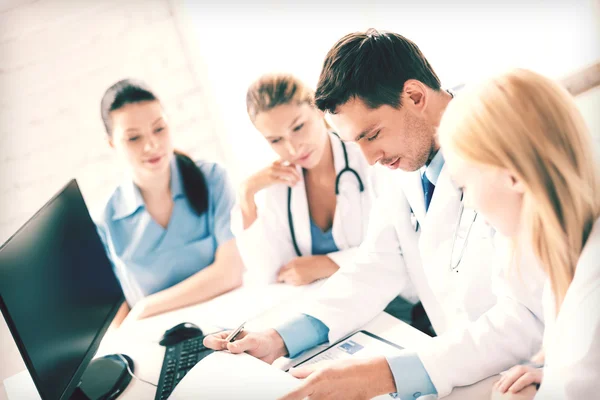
column 337, row 192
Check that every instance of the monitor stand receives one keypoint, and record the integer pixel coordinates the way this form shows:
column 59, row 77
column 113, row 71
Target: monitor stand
column 104, row 378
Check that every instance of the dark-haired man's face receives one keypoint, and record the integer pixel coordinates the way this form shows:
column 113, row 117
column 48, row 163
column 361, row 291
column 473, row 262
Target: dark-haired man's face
column 395, row 137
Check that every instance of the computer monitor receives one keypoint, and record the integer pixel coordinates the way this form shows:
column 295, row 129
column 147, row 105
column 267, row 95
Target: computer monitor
column 58, row 292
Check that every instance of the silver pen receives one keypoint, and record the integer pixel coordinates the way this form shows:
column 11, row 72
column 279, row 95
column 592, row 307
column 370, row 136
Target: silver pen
column 235, row 333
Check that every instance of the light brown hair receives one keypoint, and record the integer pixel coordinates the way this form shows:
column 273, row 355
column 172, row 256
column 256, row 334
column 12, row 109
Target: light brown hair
column 530, row 125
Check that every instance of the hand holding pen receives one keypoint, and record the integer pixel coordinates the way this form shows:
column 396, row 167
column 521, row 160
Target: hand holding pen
column 234, row 334
column 266, row 345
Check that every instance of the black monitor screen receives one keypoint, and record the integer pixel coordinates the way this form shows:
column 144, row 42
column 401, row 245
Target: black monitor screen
column 58, row 292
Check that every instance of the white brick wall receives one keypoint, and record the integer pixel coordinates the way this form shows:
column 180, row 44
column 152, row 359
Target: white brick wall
column 57, row 57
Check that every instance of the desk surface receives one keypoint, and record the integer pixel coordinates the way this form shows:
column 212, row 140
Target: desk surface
column 260, row 307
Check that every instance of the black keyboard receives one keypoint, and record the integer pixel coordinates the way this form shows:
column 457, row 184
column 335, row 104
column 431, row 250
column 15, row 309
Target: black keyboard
column 179, row 360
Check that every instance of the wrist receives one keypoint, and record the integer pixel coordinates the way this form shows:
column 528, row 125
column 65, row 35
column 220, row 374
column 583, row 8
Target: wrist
column 380, row 375
column 247, row 191
column 328, row 267
column 149, row 306
column 331, row 265
column 246, row 197
column 278, row 345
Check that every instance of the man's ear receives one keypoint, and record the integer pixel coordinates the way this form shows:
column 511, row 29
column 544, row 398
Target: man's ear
column 415, row 93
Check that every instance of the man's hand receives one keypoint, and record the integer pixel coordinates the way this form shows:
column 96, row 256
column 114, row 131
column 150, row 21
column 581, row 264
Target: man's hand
column 307, row 269
column 345, row 379
column 267, row 346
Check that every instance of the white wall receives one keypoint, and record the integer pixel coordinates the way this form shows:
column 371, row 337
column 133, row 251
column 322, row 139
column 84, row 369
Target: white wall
column 463, row 40
column 57, row 57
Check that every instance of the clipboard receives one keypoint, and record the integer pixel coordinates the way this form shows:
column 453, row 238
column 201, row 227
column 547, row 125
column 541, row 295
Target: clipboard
column 360, row 344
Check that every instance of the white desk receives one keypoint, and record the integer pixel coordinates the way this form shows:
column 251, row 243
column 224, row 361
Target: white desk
column 261, row 306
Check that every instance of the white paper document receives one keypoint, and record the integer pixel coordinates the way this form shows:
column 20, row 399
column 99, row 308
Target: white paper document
column 251, row 302
column 225, row 376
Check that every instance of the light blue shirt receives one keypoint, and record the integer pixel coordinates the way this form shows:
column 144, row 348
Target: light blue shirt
column 302, row 332
column 434, row 168
column 322, row 242
column 148, row 258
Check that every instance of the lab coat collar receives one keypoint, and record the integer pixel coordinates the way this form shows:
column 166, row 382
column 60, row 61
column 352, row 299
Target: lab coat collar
column 344, row 203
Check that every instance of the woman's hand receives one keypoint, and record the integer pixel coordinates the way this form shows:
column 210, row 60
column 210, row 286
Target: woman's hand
column 141, row 310
column 517, row 378
column 277, row 172
column 307, row 269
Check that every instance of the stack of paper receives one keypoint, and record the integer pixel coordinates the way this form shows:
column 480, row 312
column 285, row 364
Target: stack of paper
column 226, row 376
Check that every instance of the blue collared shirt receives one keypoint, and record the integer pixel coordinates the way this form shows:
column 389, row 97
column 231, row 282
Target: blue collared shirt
column 434, row 168
column 148, row 258
column 303, row 332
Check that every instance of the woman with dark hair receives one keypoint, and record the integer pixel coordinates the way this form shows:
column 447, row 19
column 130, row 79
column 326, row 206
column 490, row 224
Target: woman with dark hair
column 166, row 228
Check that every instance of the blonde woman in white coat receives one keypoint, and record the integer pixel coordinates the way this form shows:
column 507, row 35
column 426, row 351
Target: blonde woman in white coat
column 316, row 197
column 520, row 150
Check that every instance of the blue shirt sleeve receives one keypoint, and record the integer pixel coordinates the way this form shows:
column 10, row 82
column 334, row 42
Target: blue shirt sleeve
column 222, row 198
column 412, row 380
column 301, row 333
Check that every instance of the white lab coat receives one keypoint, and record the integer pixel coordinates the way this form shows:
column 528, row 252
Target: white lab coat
column 572, row 339
column 266, row 245
column 490, row 320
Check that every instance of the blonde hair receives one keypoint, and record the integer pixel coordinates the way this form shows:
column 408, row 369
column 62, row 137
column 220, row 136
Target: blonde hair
column 530, row 125
column 272, row 90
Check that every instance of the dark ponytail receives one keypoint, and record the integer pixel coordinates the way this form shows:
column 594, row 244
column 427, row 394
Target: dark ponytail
column 130, row 91
column 194, row 183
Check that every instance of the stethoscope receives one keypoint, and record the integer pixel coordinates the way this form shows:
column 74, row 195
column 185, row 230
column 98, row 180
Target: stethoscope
column 453, row 265
column 337, row 192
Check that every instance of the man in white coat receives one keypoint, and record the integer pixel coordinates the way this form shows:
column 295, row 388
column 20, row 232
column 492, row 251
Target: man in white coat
column 421, row 243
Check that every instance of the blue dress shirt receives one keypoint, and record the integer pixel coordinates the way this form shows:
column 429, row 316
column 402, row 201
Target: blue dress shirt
column 302, row 332
column 434, row 168
column 148, row 258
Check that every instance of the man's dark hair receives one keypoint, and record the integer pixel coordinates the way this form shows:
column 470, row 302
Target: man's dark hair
column 373, row 66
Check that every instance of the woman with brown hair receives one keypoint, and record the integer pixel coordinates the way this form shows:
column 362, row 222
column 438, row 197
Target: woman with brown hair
column 166, row 227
